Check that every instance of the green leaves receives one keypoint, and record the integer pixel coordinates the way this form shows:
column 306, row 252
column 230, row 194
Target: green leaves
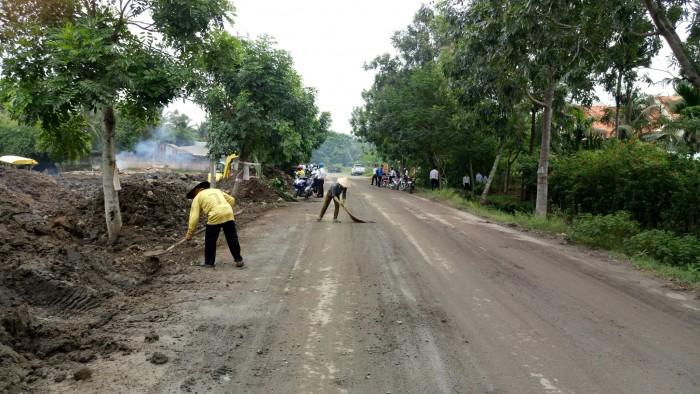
column 657, row 188
column 89, row 60
column 257, row 102
column 185, row 22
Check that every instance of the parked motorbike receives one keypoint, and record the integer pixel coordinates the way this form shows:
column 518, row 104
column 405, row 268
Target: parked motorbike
column 385, row 180
column 408, row 184
column 395, row 183
column 309, row 188
column 299, row 186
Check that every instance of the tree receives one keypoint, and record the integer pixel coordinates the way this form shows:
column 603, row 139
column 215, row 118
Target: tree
column 19, row 140
column 341, row 149
column 62, row 58
column 176, row 129
column 666, row 14
column 257, row 104
column 409, row 113
column 628, row 51
column 682, row 133
column 536, row 45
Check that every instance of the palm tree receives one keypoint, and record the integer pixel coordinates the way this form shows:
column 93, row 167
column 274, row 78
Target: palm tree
column 682, row 132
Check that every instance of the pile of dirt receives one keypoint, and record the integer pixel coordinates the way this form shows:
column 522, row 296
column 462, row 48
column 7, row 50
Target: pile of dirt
column 59, row 279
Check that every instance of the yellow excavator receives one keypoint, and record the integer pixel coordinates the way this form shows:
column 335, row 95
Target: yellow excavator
column 224, row 169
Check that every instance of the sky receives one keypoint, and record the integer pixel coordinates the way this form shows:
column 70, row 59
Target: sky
column 330, row 40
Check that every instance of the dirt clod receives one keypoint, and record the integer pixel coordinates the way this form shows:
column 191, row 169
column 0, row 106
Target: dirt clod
column 82, row 373
column 158, row 358
column 151, row 337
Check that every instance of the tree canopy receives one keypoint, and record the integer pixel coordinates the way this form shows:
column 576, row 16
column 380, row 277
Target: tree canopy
column 256, row 102
column 64, row 59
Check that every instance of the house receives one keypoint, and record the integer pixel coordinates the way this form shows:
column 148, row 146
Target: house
column 662, row 106
column 151, row 154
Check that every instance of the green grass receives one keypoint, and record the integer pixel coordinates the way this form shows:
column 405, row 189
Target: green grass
column 557, row 225
column 552, row 224
column 682, row 276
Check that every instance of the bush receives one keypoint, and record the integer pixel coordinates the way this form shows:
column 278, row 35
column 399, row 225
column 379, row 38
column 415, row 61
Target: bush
column 666, row 247
column 278, row 184
column 509, row 204
column 607, row 231
column 660, row 190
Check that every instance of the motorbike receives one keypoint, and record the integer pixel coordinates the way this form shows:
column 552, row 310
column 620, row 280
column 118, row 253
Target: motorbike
column 407, row 184
column 309, row 188
column 299, row 186
column 385, row 180
column 395, row 183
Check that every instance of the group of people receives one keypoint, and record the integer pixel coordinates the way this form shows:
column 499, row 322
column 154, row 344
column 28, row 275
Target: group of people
column 218, row 207
column 378, row 174
column 316, row 172
column 466, row 180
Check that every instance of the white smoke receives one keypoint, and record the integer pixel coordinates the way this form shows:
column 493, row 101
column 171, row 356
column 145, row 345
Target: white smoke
column 154, row 153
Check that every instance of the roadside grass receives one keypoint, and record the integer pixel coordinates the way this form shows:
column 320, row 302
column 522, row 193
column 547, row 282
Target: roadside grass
column 555, row 224
column 552, row 225
column 679, row 275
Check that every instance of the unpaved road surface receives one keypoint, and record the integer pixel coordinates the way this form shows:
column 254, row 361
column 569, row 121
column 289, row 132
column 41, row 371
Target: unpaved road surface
column 428, row 299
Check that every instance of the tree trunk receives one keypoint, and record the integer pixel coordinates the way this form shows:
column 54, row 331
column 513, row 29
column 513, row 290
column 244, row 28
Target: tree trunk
column 543, row 169
column 239, row 174
column 492, row 173
column 212, row 174
column 508, row 170
column 666, row 29
column 618, row 90
column 629, row 105
column 108, row 165
column 533, row 131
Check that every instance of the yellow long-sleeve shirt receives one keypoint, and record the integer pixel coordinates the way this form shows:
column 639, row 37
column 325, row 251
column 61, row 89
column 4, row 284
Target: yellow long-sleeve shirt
column 217, row 205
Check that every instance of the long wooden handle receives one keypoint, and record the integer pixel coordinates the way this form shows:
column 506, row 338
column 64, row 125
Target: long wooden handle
column 180, row 242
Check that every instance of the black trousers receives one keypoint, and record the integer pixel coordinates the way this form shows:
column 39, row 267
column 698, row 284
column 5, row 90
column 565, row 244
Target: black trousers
column 434, row 183
column 374, row 179
column 212, row 234
column 319, row 187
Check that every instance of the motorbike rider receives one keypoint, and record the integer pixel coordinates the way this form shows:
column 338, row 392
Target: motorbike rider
column 392, row 175
column 337, row 192
column 300, row 171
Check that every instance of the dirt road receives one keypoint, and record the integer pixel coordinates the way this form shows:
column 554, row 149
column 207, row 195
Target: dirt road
column 428, row 299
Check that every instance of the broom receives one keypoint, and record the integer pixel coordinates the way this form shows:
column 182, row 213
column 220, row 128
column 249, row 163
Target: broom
column 353, row 217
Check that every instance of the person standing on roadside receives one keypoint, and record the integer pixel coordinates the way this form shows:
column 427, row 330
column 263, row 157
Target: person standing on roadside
column 434, row 179
column 218, row 206
column 374, row 175
column 467, row 183
column 380, row 173
column 320, row 179
column 337, row 192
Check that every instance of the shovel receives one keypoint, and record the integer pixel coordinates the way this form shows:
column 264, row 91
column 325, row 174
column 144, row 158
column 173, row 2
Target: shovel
column 158, row 252
column 353, row 217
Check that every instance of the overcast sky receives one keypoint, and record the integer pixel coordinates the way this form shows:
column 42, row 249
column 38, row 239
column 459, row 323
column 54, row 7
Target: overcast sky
column 330, row 40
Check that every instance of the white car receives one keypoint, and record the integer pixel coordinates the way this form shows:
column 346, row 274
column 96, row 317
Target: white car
column 357, row 169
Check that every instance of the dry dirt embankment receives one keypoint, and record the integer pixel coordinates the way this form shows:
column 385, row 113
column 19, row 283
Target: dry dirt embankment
column 60, row 285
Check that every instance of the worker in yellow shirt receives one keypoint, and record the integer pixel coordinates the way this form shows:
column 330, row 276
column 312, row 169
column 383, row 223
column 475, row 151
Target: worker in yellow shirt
column 218, row 206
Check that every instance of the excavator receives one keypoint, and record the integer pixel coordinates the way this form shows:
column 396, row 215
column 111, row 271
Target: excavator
column 224, row 169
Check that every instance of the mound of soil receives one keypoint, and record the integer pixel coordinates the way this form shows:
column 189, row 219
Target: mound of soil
column 59, row 280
